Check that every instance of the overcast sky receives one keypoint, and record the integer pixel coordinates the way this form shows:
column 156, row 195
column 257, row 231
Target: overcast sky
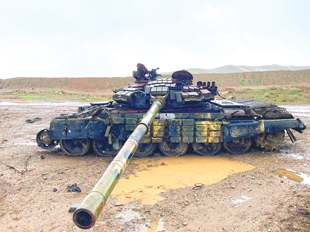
column 79, row 38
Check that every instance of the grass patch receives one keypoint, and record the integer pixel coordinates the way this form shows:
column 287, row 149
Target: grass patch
column 52, row 95
column 274, row 95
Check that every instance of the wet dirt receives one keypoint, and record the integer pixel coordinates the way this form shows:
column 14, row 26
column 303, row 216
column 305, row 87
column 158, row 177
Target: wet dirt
column 289, row 174
column 250, row 200
column 157, row 175
column 292, row 175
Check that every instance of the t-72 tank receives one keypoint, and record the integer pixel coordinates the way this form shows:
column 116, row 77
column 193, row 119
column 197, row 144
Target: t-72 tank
column 190, row 116
column 171, row 113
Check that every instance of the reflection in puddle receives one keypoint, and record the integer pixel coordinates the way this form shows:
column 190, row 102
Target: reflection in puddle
column 291, row 175
column 156, row 175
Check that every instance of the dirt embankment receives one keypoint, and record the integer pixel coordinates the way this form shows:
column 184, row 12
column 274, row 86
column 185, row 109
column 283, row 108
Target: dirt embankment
column 105, row 85
column 94, row 85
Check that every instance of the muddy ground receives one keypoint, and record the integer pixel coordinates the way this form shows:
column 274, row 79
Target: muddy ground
column 255, row 200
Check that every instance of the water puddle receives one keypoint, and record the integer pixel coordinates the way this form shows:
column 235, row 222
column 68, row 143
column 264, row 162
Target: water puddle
column 157, row 224
column 130, row 214
column 292, row 175
column 300, row 111
column 156, row 175
column 292, row 155
column 127, row 216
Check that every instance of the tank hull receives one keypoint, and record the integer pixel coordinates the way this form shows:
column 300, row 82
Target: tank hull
column 208, row 125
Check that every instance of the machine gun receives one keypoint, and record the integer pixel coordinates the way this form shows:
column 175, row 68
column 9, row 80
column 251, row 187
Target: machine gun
column 143, row 73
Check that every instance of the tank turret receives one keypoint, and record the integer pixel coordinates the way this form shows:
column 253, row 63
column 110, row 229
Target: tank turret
column 180, row 90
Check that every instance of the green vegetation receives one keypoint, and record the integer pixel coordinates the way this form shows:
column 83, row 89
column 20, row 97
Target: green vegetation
column 274, row 95
column 52, row 95
column 242, row 81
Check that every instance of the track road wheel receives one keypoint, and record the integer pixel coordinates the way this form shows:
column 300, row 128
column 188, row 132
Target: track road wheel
column 75, row 147
column 44, row 141
column 173, row 149
column 145, row 149
column 207, row 149
column 238, row 146
column 103, row 149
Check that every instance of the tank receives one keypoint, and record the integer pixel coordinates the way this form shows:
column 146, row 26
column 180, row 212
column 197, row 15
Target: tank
column 170, row 113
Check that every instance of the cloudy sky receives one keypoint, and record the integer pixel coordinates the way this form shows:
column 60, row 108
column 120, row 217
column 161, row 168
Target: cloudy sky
column 79, row 38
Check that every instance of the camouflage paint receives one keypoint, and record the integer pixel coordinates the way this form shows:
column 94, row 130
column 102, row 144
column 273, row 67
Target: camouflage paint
column 87, row 213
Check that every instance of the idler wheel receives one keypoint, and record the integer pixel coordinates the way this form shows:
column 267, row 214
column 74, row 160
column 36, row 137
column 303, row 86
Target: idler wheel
column 44, row 141
column 173, row 149
column 207, row 149
column 270, row 141
column 238, row 146
column 75, row 147
column 104, row 149
column 145, row 149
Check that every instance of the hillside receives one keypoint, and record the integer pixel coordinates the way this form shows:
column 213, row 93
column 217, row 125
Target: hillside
column 257, row 79
column 243, row 68
column 104, row 86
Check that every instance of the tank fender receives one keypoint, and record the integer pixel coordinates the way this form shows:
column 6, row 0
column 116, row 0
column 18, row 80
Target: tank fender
column 301, row 126
column 69, row 128
column 239, row 130
column 281, row 124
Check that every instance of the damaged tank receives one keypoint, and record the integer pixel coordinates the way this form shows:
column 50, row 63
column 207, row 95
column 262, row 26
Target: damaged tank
column 191, row 116
column 169, row 113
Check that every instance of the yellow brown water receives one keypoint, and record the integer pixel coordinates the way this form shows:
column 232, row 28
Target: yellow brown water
column 154, row 223
column 156, row 175
column 289, row 174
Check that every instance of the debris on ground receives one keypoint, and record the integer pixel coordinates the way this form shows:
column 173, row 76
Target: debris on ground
column 198, row 186
column 73, row 188
column 73, row 207
column 54, row 189
column 18, row 170
column 303, row 211
column 33, row 120
column 186, row 203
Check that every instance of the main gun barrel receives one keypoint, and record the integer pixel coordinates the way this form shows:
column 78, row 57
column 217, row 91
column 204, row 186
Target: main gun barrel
column 87, row 213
